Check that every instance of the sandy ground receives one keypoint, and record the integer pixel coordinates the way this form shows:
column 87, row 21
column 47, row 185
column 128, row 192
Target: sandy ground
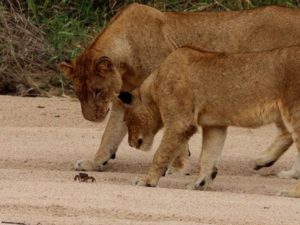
column 41, row 138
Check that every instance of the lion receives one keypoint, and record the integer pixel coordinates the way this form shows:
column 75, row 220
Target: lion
column 140, row 37
column 194, row 88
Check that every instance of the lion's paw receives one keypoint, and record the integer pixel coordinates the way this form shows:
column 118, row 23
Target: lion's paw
column 85, row 165
column 292, row 192
column 199, row 184
column 143, row 181
column 138, row 181
column 284, row 193
column 295, row 192
column 203, row 182
column 191, row 186
column 289, row 174
column 261, row 163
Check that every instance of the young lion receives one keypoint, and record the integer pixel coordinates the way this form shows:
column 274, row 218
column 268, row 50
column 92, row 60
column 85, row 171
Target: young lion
column 194, row 88
column 139, row 38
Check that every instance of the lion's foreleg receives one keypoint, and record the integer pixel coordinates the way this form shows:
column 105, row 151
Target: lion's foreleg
column 213, row 142
column 172, row 143
column 111, row 139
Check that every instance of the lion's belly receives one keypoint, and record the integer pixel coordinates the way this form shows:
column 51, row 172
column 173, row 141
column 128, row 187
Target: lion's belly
column 241, row 117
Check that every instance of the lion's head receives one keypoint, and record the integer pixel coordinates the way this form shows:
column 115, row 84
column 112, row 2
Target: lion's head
column 96, row 80
column 142, row 122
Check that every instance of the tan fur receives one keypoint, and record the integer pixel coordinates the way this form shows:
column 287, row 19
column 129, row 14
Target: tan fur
column 293, row 192
column 139, row 38
column 195, row 88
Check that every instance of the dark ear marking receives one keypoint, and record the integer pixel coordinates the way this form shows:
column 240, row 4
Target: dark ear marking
column 125, row 97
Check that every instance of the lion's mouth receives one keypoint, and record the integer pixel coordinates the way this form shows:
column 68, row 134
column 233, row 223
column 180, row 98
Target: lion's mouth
column 102, row 116
column 107, row 111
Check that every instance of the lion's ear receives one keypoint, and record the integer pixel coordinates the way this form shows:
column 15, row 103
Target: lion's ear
column 126, row 98
column 67, row 68
column 104, row 65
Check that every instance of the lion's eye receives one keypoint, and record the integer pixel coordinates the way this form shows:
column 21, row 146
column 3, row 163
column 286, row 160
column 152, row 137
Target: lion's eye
column 97, row 92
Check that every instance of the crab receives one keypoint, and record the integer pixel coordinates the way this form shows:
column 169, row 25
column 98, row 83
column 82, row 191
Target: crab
column 84, row 177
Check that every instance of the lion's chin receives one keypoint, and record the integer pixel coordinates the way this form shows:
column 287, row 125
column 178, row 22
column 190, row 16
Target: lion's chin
column 97, row 118
column 145, row 147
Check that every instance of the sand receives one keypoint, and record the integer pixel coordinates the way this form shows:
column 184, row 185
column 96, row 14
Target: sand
column 41, row 138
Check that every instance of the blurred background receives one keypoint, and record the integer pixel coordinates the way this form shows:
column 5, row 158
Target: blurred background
column 35, row 35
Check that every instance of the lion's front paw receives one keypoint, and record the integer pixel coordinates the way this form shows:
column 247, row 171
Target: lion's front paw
column 293, row 192
column 98, row 164
column 266, row 160
column 203, row 182
column 85, row 165
column 143, row 181
column 289, row 174
column 139, row 181
column 284, row 193
column 199, row 184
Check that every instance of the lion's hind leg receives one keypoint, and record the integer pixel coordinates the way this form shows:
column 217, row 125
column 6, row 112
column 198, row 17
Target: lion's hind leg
column 294, row 172
column 291, row 118
column 281, row 143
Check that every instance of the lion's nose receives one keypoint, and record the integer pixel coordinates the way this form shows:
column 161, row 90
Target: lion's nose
column 140, row 142
column 131, row 144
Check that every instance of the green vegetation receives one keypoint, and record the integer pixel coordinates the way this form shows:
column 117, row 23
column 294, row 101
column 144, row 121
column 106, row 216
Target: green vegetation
column 45, row 32
column 67, row 23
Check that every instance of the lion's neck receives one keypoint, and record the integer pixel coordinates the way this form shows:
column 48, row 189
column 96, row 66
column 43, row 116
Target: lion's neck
column 149, row 97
